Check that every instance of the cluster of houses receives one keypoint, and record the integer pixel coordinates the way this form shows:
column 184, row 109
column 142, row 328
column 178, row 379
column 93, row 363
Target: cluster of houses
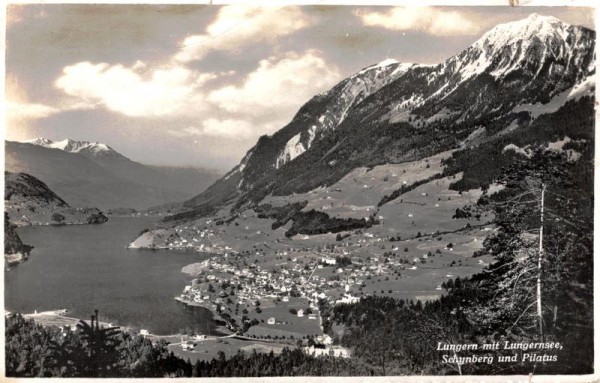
column 189, row 343
column 227, row 281
column 253, row 282
column 194, row 238
column 232, row 279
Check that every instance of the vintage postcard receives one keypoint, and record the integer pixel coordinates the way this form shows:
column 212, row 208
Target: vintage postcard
column 303, row 190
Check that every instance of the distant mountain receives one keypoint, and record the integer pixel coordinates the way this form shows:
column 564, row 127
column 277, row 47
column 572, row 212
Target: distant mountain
column 94, row 174
column 516, row 77
column 88, row 149
column 28, row 201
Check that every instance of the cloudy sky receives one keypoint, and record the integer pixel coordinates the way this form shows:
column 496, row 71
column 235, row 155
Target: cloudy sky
column 197, row 85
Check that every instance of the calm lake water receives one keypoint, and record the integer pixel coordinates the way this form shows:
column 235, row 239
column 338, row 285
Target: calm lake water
column 86, row 267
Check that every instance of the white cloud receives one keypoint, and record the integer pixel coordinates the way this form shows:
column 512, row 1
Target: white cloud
column 228, row 128
column 236, row 26
column 425, row 19
column 173, row 90
column 268, row 97
column 278, row 87
column 22, row 111
column 265, row 100
column 185, row 132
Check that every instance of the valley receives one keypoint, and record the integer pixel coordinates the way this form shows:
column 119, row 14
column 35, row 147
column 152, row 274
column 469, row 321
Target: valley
column 406, row 207
column 265, row 282
column 378, row 188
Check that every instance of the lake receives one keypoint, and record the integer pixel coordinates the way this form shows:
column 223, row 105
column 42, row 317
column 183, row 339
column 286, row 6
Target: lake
column 85, row 267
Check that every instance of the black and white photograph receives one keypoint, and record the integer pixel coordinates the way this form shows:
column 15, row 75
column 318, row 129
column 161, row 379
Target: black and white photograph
column 299, row 190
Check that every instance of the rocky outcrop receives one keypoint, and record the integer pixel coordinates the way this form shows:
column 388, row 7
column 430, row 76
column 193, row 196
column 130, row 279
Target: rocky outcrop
column 15, row 251
column 96, row 218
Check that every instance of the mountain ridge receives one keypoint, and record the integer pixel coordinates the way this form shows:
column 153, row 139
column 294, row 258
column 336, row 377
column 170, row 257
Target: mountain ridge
column 526, row 62
column 94, row 174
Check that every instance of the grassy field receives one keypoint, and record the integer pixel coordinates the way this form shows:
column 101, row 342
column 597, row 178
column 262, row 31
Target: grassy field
column 357, row 194
column 210, row 348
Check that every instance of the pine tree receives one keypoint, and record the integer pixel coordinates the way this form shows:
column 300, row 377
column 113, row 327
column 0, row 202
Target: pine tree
column 540, row 284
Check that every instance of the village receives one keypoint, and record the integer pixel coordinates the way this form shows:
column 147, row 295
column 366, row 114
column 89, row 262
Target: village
column 268, row 285
column 279, row 294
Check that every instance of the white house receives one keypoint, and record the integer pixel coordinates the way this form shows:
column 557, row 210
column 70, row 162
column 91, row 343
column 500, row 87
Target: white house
column 347, row 298
column 339, row 352
column 187, row 345
column 325, row 339
column 328, row 261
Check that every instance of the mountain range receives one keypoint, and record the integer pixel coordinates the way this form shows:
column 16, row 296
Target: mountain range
column 94, row 174
column 514, row 83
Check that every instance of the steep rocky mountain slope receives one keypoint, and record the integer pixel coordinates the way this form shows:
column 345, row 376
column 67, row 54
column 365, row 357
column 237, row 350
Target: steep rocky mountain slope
column 392, row 112
column 315, row 120
column 94, row 174
column 28, row 201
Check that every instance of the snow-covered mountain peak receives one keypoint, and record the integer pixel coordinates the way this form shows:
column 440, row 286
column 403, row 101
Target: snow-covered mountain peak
column 67, row 145
column 532, row 45
column 74, row 146
column 382, row 64
column 40, row 141
column 391, row 111
column 524, row 51
column 524, row 30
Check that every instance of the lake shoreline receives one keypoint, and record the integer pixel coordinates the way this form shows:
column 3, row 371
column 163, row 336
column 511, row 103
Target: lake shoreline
column 54, row 318
column 216, row 317
column 89, row 266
